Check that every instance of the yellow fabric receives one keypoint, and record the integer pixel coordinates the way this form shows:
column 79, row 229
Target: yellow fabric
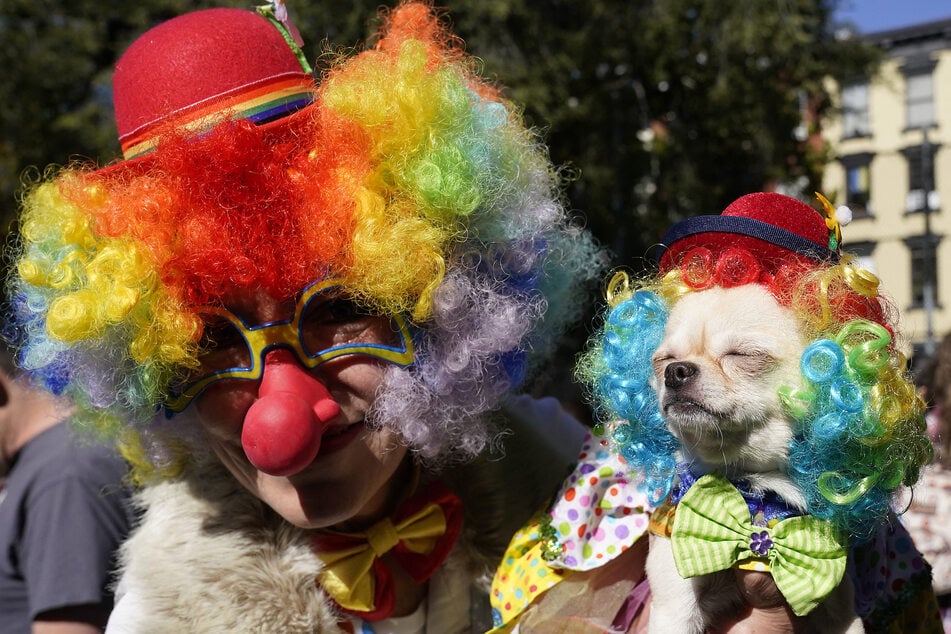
column 382, row 537
column 755, row 563
column 347, row 574
column 662, row 519
column 522, row 576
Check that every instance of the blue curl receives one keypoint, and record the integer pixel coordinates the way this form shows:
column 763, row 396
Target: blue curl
column 633, row 330
column 837, row 419
column 846, row 395
column 831, row 427
column 822, row 361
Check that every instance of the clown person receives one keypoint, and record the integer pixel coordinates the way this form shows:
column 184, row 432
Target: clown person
column 303, row 309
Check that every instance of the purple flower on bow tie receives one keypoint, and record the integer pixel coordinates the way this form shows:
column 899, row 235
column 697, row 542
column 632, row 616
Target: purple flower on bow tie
column 760, row 543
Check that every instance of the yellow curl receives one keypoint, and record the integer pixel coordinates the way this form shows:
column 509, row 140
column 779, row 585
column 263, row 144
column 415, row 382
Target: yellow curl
column 72, row 317
column 66, row 274
column 619, row 289
column 49, row 217
column 144, row 471
column 860, row 280
column 671, row 287
column 395, row 233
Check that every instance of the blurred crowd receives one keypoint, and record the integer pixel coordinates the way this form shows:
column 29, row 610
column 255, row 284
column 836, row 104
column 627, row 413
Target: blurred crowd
column 928, row 516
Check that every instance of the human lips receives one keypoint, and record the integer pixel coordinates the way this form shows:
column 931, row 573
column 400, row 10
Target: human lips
column 337, row 437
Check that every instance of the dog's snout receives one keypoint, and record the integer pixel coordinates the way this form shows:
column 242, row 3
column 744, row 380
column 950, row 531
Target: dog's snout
column 678, row 374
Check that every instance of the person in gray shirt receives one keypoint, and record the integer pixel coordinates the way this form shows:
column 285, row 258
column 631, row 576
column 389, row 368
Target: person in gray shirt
column 63, row 513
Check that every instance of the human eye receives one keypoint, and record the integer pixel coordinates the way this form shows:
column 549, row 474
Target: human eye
column 343, row 311
column 334, row 310
column 219, row 332
column 222, row 345
column 335, row 320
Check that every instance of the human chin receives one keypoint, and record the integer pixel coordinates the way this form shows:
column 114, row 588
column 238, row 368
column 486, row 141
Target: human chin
column 355, row 485
column 347, row 486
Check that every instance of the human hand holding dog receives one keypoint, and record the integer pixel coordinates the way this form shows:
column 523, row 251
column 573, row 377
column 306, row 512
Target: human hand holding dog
column 765, row 611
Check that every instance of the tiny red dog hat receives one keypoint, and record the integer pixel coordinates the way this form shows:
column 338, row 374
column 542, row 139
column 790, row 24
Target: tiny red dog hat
column 201, row 68
column 771, row 226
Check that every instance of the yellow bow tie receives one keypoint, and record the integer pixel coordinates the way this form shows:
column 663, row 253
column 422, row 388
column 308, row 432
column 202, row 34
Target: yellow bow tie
column 418, row 537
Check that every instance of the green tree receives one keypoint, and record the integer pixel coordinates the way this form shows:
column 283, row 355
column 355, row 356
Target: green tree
column 658, row 109
column 669, row 108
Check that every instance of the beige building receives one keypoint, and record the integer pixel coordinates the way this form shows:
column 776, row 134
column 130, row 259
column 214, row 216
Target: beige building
column 891, row 165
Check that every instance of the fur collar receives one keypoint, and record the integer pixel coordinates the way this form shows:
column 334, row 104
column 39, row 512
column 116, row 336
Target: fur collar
column 209, row 557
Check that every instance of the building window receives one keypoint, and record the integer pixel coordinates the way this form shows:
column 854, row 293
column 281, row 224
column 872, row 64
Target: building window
column 924, row 270
column 919, row 92
column 857, row 184
column 919, row 98
column 921, row 191
column 855, row 111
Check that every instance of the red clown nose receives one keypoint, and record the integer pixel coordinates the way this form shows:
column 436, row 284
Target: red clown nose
column 282, row 430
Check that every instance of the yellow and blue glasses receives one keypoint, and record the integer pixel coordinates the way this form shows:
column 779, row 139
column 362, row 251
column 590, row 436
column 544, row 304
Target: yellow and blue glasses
column 323, row 327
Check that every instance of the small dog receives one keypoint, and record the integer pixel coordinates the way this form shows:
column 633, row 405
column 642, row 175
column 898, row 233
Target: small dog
column 717, row 373
column 756, row 390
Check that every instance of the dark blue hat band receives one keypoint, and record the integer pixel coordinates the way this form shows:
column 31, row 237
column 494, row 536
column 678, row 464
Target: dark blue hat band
column 751, row 227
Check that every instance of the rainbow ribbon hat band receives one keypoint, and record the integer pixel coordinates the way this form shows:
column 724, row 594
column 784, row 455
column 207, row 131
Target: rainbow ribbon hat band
column 263, row 82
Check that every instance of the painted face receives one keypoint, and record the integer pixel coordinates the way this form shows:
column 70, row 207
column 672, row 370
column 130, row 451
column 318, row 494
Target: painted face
column 323, row 345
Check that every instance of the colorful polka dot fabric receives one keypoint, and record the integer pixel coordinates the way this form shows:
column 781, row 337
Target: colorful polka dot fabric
column 893, row 591
column 598, row 514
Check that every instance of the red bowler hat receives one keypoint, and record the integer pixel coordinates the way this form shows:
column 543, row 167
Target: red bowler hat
column 202, row 68
column 771, row 226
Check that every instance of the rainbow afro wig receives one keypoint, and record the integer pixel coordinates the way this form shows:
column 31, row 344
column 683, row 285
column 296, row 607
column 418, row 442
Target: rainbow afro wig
column 400, row 173
column 859, row 431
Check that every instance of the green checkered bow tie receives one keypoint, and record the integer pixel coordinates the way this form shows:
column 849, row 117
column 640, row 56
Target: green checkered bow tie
column 712, row 531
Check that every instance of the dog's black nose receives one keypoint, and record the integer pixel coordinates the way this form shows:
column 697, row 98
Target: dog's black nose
column 679, row 373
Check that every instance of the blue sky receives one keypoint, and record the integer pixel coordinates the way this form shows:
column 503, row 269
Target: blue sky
column 881, row 15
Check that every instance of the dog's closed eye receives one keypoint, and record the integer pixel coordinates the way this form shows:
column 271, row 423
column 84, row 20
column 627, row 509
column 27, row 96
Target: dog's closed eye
column 750, row 361
column 660, row 361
